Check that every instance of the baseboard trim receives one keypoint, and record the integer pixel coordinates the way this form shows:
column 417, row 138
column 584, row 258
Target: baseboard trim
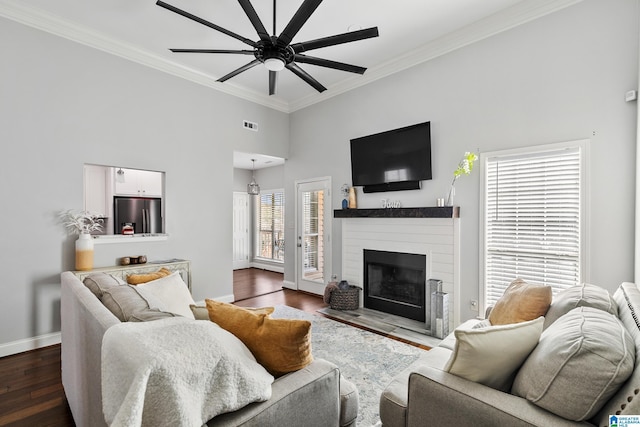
column 27, row 344
column 226, row 298
column 289, row 285
column 268, row 267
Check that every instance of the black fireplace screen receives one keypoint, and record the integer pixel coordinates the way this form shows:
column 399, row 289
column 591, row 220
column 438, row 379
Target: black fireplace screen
column 394, row 283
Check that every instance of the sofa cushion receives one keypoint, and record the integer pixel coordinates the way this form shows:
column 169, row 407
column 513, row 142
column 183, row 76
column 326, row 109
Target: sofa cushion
column 491, row 355
column 580, row 362
column 136, row 279
column 123, row 301
column 202, row 313
column 280, row 345
column 521, row 302
column 168, row 294
column 583, row 295
column 99, row 282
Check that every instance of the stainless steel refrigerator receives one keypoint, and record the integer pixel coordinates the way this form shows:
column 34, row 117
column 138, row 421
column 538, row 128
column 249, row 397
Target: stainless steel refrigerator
column 142, row 213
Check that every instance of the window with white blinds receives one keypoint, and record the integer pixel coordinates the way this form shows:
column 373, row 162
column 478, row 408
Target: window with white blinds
column 270, row 222
column 532, row 219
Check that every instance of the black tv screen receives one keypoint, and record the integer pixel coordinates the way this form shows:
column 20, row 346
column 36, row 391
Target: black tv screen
column 397, row 156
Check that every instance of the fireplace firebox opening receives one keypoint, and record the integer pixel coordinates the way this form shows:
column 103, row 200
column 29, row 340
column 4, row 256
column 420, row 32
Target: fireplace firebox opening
column 395, row 283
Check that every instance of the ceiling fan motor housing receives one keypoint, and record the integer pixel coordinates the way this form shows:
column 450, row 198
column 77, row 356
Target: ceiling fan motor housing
column 267, row 50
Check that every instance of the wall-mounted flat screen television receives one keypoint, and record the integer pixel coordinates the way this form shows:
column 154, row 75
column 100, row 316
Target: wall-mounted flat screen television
column 393, row 160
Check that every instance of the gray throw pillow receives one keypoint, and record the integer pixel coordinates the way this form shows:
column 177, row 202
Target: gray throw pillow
column 583, row 295
column 99, row 282
column 580, row 362
column 123, row 301
column 150, row 315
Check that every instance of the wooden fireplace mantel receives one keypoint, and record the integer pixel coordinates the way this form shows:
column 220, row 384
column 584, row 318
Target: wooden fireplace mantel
column 425, row 212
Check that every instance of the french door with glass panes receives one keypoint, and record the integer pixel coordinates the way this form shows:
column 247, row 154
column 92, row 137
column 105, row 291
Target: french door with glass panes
column 313, row 234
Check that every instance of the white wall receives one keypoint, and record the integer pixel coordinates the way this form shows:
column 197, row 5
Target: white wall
column 561, row 77
column 63, row 104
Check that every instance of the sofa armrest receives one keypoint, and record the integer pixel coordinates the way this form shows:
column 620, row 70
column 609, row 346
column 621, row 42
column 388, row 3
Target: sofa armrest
column 309, row 397
column 452, row 400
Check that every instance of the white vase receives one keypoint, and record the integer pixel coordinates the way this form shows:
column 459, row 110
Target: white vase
column 84, row 252
column 452, row 192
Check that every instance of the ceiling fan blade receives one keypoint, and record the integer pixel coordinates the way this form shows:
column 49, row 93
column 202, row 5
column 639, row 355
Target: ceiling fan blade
column 255, row 19
column 241, row 52
column 273, row 81
column 302, row 15
column 207, row 23
column 305, row 76
column 329, row 64
column 239, row 70
column 351, row 36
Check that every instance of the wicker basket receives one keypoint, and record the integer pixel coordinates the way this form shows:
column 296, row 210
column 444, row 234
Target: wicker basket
column 345, row 299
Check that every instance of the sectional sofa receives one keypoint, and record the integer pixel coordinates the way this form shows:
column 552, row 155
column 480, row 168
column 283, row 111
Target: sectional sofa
column 313, row 396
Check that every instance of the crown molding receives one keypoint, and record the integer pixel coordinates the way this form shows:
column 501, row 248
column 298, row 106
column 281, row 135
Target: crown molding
column 504, row 20
column 41, row 20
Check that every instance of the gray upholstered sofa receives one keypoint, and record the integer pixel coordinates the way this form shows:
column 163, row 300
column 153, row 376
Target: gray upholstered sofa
column 425, row 391
column 313, row 396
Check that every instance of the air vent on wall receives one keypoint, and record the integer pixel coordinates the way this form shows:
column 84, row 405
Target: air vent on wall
column 250, row 125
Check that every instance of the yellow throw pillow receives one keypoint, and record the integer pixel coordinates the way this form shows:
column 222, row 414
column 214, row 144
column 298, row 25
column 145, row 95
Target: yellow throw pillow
column 136, row 279
column 202, row 313
column 521, row 302
column 280, row 345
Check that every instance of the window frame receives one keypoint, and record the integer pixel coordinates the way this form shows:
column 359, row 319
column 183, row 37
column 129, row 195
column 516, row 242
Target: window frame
column 584, row 221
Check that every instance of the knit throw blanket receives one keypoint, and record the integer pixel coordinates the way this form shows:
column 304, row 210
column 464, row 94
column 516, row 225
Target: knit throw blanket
column 176, row 372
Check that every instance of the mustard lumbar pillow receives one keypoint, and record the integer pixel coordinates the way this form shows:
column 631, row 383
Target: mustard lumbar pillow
column 280, row 345
column 136, row 279
column 521, row 302
column 202, row 313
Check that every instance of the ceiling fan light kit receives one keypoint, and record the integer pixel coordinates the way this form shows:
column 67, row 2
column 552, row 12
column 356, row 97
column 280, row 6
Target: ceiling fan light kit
column 277, row 52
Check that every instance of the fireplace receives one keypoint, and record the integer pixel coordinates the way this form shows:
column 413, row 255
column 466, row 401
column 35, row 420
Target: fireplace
column 395, row 283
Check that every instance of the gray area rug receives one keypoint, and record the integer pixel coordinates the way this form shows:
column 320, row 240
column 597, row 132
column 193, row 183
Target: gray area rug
column 368, row 360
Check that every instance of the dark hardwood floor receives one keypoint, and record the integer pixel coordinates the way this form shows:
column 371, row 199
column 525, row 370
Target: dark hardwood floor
column 31, row 392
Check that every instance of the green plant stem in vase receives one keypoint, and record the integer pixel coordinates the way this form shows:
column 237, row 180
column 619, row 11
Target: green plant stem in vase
column 464, row 168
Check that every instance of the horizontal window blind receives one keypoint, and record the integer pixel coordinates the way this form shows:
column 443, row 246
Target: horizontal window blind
column 533, row 218
column 271, row 226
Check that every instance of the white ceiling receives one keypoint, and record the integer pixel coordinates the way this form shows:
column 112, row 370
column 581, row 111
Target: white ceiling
column 411, row 31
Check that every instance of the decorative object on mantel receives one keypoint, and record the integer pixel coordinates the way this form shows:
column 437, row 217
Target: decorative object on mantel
column 253, row 188
column 345, row 195
column 464, row 167
column 352, row 198
column 390, row 204
column 82, row 223
column 439, row 202
column 439, row 312
column 127, row 260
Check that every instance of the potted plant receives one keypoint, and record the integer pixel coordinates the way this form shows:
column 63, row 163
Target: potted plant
column 82, row 223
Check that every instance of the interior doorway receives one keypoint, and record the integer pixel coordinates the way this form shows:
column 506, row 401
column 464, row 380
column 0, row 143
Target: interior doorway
column 241, row 224
column 313, row 234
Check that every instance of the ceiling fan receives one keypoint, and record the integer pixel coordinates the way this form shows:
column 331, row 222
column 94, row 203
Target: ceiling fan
column 277, row 52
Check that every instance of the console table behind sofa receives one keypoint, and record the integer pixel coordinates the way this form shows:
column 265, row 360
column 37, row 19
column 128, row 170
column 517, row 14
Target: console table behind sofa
column 122, row 271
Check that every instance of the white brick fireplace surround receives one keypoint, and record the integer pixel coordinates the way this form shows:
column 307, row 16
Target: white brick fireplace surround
column 434, row 232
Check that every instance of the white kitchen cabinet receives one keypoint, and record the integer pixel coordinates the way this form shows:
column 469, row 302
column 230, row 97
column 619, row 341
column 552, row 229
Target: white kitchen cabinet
column 135, row 182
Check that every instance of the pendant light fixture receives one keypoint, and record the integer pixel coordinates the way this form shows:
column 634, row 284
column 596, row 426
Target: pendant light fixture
column 253, row 188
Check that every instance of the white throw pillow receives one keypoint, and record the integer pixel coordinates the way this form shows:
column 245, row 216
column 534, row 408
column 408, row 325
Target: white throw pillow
column 492, row 355
column 168, row 294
